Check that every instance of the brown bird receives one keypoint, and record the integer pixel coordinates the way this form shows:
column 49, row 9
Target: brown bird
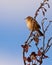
column 33, row 25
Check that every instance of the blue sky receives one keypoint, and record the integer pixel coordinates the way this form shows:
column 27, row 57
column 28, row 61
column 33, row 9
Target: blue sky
column 13, row 30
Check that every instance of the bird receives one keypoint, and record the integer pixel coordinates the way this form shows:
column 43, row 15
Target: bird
column 33, row 25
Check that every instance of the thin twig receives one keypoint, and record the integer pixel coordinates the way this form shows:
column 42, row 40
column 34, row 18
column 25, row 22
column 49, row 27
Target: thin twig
column 23, row 57
column 48, row 45
column 43, row 20
column 48, row 48
column 43, row 32
column 41, row 60
column 30, row 41
column 29, row 37
column 40, row 7
column 43, row 37
column 47, row 26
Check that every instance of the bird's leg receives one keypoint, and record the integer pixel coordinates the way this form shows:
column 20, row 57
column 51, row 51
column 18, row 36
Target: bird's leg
column 29, row 37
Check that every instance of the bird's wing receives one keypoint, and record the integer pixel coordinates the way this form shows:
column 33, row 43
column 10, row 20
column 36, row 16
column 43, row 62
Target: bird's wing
column 37, row 24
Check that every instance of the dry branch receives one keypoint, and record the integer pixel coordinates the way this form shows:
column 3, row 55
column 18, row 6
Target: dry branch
column 36, row 58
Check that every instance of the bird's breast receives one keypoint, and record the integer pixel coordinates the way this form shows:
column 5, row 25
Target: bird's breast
column 29, row 25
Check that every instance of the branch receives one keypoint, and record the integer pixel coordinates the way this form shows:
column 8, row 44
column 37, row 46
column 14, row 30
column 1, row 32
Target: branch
column 41, row 8
column 23, row 57
column 29, row 37
column 48, row 45
column 30, row 41
column 47, row 26
column 43, row 20
column 38, row 57
column 43, row 32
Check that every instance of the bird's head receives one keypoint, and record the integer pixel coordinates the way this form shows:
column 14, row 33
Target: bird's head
column 28, row 18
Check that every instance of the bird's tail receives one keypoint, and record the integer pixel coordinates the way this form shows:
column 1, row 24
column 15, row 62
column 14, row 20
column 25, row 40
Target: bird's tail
column 40, row 33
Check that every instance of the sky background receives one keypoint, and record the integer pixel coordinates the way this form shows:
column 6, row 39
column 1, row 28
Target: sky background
column 13, row 30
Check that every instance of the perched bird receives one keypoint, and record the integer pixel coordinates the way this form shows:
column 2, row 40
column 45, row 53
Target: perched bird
column 33, row 25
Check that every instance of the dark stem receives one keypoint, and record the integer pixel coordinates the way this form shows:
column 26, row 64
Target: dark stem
column 48, row 45
column 29, row 37
column 43, row 42
column 23, row 57
column 36, row 13
column 47, row 26
column 43, row 33
column 41, row 61
column 43, row 37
